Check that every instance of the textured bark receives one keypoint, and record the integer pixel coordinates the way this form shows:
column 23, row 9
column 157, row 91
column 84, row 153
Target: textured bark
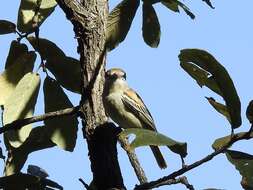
column 89, row 21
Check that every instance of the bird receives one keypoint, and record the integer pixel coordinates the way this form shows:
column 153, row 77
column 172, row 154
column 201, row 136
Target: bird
column 126, row 108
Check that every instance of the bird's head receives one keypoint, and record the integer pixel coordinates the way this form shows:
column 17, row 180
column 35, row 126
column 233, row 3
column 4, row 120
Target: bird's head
column 114, row 74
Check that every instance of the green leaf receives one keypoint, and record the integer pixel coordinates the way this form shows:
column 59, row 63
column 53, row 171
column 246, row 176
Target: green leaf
column 201, row 76
column 207, row 62
column 38, row 139
column 249, row 112
column 16, row 50
column 221, row 142
column 67, row 71
column 32, row 13
column 243, row 162
column 19, row 105
column 144, row 137
column 222, row 109
column 12, row 75
column 7, row 27
column 63, row 131
column 119, row 22
column 150, row 26
column 174, row 4
column 46, row 48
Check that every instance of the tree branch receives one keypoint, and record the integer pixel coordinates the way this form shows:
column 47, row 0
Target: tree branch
column 183, row 180
column 18, row 124
column 173, row 175
column 133, row 160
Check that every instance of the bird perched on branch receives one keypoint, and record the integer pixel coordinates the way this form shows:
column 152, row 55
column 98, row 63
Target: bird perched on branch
column 126, row 108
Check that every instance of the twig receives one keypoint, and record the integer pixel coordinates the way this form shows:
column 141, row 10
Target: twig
column 187, row 168
column 133, row 160
column 17, row 124
column 183, row 180
column 84, row 184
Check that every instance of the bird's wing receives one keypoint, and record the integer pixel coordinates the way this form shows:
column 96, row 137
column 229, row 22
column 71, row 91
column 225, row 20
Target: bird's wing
column 135, row 104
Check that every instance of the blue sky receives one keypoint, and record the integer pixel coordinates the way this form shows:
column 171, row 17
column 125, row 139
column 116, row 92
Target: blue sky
column 176, row 102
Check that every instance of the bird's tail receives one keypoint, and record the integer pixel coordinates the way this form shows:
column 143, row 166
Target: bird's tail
column 159, row 157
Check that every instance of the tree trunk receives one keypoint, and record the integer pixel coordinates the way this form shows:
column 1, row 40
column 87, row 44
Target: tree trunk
column 89, row 21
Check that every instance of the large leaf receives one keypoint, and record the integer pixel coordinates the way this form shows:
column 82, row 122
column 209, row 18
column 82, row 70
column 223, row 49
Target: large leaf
column 174, row 6
column 144, row 137
column 16, row 50
column 20, row 104
column 243, row 162
column 207, row 62
column 62, row 131
column 38, row 139
column 222, row 109
column 119, row 22
column 150, row 26
column 67, row 71
column 32, row 13
column 7, row 27
column 12, row 75
column 46, row 48
column 249, row 112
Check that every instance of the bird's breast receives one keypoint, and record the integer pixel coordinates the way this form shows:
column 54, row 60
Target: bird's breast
column 117, row 111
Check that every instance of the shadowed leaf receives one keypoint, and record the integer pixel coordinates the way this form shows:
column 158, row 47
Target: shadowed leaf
column 222, row 109
column 207, row 62
column 170, row 4
column 16, row 50
column 25, row 181
column 37, row 171
column 174, row 6
column 67, row 71
column 62, row 131
column 46, row 48
column 38, row 139
column 7, row 27
column 119, row 22
column 144, row 137
column 249, row 112
column 12, row 75
column 243, row 162
column 150, row 26
column 19, row 105
column 32, row 14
